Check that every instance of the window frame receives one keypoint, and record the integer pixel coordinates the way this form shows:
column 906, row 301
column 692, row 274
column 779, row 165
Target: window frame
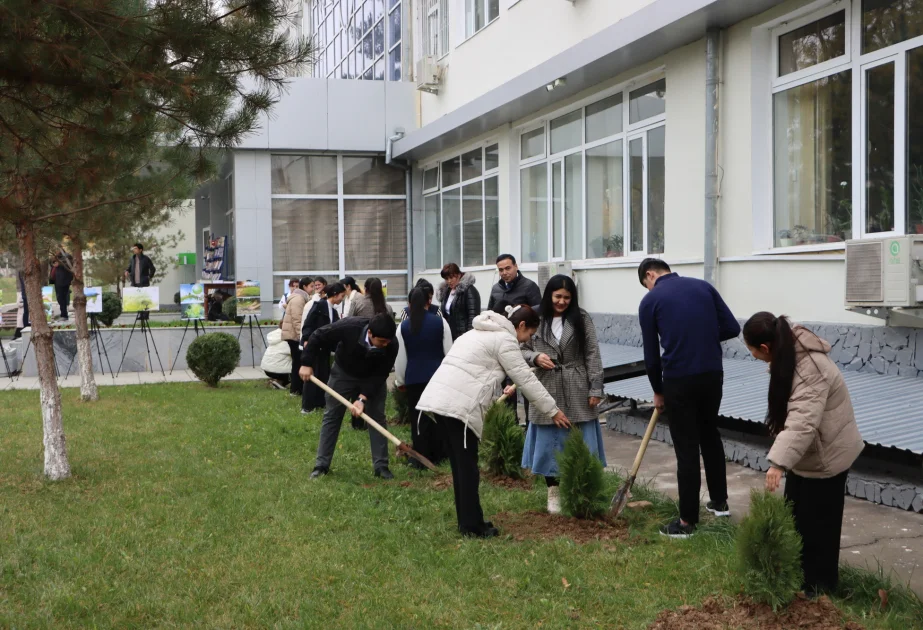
column 337, row 56
column 468, row 16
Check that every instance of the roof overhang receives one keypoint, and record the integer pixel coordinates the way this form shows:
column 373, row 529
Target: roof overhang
column 645, row 35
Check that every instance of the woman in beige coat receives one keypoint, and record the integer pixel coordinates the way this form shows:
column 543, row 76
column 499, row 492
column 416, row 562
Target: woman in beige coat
column 291, row 329
column 816, row 438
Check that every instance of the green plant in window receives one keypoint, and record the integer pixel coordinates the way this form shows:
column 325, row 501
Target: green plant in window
column 614, row 245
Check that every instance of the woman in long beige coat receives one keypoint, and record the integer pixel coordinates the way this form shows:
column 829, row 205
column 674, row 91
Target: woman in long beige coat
column 816, row 438
column 291, row 329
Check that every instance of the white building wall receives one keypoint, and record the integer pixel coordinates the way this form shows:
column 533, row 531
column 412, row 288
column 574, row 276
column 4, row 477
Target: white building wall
column 183, row 221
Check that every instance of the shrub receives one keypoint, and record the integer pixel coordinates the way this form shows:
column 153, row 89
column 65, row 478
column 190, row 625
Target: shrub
column 769, row 551
column 503, row 441
column 401, row 407
column 229, row 308
column 213, row 356
column 176, row 298
column 582, row 484
column 112, row 308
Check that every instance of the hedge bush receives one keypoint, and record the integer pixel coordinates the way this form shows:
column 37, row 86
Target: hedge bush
column 229, row 308
column 503, row 441
column 213, row 356
column 769, row 551
column 401, row 407
column 583, row 491
column 112, row 308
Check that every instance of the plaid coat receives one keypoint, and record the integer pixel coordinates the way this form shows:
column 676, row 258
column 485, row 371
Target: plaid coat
column 575, row 378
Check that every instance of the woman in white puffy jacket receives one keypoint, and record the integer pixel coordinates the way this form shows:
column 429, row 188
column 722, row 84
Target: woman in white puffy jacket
column 463, row 388
column 277, row 360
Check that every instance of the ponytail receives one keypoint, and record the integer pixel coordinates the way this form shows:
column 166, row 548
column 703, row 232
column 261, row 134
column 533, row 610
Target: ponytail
column 775, row 333
column 418, row 299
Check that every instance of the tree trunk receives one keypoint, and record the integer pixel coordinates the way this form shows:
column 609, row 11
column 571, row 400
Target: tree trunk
column 88, row 390
column 56, row 463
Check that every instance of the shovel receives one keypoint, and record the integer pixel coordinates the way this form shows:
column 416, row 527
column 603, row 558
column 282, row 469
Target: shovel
column 621, row 497
column 402, row 448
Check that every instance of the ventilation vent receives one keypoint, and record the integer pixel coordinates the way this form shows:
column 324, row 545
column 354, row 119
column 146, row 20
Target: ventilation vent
column 863, row 272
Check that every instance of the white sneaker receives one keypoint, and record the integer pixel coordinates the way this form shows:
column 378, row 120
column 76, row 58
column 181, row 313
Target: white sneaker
column 554, row 500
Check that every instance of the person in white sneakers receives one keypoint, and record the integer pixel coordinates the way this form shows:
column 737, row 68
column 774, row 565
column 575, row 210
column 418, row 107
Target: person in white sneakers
column 566, row 352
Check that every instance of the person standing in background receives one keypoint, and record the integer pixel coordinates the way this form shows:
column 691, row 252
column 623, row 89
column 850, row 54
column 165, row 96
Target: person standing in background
column 347, row 306
column 292, row 285
column 61, row 277
column 689, row 320
column 427, row 287
column 291, row 329
column 373, row 302
column 321, row 314
column 461, row 302
column 140, row 270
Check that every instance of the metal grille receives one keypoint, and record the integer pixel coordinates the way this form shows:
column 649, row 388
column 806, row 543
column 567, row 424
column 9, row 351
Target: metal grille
column 864, row 281
column 435, row 18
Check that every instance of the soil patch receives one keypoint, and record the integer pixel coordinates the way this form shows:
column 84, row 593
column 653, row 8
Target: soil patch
column 816, row 614
column 544, row 526
column 507, row 482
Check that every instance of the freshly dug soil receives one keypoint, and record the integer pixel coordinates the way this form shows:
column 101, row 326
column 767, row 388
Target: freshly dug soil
column 817, row 614
column 544, row 526
column 507, row 482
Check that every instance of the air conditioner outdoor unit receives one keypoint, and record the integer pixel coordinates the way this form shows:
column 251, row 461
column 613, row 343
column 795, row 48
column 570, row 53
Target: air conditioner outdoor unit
column 548, row 270
column 429, row 74
column 885, row 272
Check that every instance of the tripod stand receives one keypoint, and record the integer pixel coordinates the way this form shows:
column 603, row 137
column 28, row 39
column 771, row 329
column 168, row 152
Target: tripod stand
column 250, row 320
column 195, row 323
column 26, row 354
column 143, row 317
column 6, row 362
column 95, row 332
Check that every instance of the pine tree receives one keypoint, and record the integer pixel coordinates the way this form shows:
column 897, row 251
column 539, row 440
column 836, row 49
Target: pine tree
column 582, row 481
column 111, row 103
column 503, row 441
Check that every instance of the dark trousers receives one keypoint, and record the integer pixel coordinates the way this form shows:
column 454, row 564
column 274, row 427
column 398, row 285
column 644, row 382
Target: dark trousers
column 818, row 508
column 64, row 295
column 465, row 474
column 312, row 396
column 282, row 378
column 349, row 388
column 427, row 440
column 692, row 405
column 296, row 385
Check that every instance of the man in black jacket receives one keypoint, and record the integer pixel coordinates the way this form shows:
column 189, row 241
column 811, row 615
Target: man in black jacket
column 61, row 278
column 365, row 353
column 140, row 268
column 513, row 287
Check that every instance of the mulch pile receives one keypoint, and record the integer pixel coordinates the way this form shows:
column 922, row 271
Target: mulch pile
column 544, row 526
column 816, row 614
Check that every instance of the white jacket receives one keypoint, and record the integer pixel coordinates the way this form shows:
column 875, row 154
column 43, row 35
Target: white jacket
column 277, row 358
column 465, row 384
column 345, row 308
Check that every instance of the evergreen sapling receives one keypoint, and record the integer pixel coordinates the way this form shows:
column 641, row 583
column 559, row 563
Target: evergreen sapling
column 582, row 482
column 503, row 441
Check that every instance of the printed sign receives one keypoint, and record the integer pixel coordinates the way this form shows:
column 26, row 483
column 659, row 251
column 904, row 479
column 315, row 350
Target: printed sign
column 138, row 299
column 47, row 300
column 248, row 297
column 191, row 294
column 94, row 297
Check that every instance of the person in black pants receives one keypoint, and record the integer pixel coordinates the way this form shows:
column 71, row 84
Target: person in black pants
column 298, row 300
column 61, row 278
column 425, row 339
column 689, row 320
column 321, row 314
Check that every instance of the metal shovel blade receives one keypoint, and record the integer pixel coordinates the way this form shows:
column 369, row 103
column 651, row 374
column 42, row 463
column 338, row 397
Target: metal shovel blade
column 403, row 449
column 621, row 498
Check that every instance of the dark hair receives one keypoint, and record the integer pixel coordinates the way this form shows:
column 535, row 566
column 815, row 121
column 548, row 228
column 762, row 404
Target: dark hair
column 572, row 314
column 418, row 298
column 524, row 314
column 382, row 326
column 776, row 334
column 651, row 264
column 139, row 246
column 321, row 279
column 426, row 285
column 350, row 282
column 334, row 289
column 450, row 269
column 375, row 293
column 510, row 257
column 292, row 281
column 305, row 282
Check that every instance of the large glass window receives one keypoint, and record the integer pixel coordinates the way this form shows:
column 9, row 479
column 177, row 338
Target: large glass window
column 357, row 39
column 814, row 43
column 309, row 216
column 480, row 13
column 435, row 19
column 889, row 22
column 914, row 141
column 585, row 210
column 461, row 209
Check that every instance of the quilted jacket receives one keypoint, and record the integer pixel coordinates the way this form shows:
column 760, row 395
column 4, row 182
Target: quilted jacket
column 465, row 307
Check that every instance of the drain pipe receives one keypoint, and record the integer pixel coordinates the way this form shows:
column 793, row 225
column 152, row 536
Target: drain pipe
column 389, row 146
column 712, row 41
column 408, row 190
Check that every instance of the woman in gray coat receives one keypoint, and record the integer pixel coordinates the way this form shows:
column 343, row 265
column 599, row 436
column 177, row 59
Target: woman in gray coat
column 566, row 352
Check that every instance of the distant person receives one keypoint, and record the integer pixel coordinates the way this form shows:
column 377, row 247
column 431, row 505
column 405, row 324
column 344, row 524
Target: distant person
column 316, row 293
column 277, row 360
column 291, row 329
column 689, row 320
column 460, row 300
column 216, row 307
column 427, row 287
column 321, row 314
column 513, row 287
column 140, row 270
column 292, row 285
column 373, row 302
column 425, row 339
column 816, row 439
column 365, row 351
column 61, row 277
column 353, row 293
column 22, row 313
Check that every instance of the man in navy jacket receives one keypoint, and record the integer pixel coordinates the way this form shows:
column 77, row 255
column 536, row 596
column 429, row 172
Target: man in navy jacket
column 689, row 320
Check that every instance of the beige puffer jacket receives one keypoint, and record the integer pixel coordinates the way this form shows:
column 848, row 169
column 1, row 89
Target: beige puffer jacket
column 820, row 438
column 465, row 384
column 291, row 321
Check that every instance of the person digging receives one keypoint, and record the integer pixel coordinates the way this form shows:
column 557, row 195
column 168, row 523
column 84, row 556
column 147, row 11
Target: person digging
column 365, row 351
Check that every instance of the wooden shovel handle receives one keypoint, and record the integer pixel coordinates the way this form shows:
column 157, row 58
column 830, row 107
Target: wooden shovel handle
column 647, row 438
column 505, row 396
column 349, row 405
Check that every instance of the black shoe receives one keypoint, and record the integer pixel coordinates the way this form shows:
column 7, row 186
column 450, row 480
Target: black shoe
column 488, row 531
column 677, row 530
column 319, row 471
column 718, row 509
column 384, row 473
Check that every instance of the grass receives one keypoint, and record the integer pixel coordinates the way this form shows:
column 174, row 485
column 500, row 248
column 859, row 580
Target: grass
column 192, row 507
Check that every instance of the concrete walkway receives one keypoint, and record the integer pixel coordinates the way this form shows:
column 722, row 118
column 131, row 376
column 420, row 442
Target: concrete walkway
column 872, row 533
column 131, row 378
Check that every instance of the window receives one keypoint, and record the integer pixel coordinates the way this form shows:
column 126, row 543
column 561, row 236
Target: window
column 435, row 18
column 461, row 210
column 584, row 199
column 830, row 102
column 358, row 39
column 324, row 207
column 480, row 13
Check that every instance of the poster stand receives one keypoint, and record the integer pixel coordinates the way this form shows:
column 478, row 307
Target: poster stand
column 249, row 322
column 95, row 332
column 6, row 362
column 185, row 330
column 144, row 318
column 26, row 354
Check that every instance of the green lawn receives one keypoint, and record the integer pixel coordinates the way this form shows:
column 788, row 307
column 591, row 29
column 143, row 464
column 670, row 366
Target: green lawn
column 192, row 507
